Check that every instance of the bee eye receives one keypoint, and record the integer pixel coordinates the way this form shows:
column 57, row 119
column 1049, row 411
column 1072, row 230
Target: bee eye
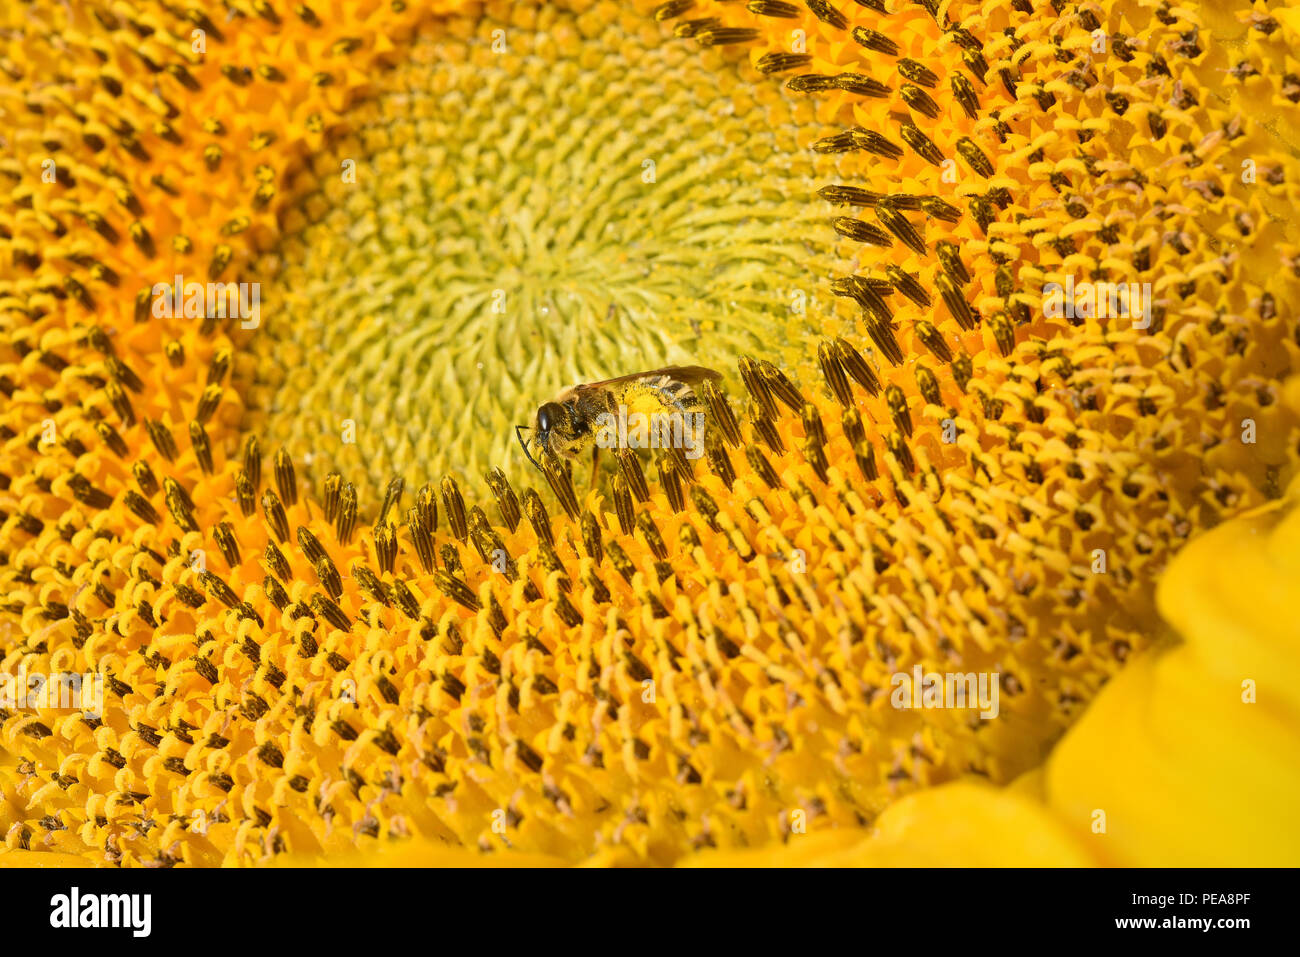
column 548, row 416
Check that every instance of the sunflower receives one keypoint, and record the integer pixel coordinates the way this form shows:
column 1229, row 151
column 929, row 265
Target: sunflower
column 1003, row 301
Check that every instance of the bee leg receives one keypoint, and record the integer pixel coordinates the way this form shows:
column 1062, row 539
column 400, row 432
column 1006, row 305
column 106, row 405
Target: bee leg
column 595, row 454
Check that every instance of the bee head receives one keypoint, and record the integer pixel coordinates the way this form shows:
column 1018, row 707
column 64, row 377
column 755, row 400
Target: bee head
column 549, row 416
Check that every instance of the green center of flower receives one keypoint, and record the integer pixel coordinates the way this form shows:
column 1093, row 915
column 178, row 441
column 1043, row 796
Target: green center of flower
column 517, row 212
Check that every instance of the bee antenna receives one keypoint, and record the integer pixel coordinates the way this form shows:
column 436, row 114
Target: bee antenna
column 524, row 445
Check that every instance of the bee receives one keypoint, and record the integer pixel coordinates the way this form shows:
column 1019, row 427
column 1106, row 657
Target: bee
column 566, row 425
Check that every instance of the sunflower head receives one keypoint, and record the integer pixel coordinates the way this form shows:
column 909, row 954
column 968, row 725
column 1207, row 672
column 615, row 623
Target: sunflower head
column 1002, row 298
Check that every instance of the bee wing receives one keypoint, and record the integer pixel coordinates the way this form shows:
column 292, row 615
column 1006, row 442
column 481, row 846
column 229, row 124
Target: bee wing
column 691, row 375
